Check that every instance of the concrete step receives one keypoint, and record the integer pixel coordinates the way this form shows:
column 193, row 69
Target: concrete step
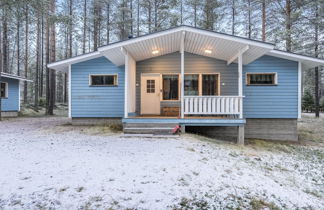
column 156, row 131
column 150, row 125
column 150, row 136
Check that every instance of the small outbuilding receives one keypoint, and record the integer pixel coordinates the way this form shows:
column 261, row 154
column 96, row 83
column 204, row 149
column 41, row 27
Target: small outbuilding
column 10, row 94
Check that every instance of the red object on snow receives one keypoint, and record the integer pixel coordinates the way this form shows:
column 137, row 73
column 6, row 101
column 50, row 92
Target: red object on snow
column 176, row 129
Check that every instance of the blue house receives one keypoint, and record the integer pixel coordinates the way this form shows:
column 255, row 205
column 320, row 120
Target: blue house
column 10, row 94
column 203, row 81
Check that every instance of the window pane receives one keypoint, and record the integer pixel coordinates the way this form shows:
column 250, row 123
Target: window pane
column 150, row 86
column 170, row 87
column 210, row 84
column 3, row 90
column 103, row 80
column 191, row 85
column 261, row 79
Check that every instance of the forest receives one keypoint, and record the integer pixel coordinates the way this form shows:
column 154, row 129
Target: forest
column 34, row 33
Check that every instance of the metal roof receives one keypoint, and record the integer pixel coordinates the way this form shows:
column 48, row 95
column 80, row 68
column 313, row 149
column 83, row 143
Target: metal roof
column 222, row 46
column 12, row 76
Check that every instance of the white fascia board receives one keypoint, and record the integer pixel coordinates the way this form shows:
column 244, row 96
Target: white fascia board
column 296, row 57
column 73, row 60
column 14, row 77
column 139, row 39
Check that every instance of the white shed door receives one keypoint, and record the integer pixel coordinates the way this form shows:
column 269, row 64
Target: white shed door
column 150, row 94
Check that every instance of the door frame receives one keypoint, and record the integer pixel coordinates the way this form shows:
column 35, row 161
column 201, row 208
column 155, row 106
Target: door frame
column 157, row 75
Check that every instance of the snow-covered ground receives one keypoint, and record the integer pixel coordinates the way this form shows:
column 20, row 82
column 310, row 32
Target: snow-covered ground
column 48, row 164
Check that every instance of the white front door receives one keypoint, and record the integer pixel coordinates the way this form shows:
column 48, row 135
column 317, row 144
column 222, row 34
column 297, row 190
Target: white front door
column 150, row 94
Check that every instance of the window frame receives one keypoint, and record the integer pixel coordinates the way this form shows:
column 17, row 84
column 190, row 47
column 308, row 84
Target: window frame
column 6, row 90
column 115, row 80
column 218, row 83
column 247, row 78
column 179, row 87
column 199, row 86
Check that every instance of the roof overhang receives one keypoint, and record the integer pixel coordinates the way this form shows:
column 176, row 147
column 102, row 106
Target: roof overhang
column 11, row 76
column 308, row 62
column 197, row 41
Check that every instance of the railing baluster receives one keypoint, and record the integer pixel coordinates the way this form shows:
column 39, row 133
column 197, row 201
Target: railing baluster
column 212, row 105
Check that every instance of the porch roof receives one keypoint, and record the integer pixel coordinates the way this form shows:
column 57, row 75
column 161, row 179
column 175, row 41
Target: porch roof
column 197, row 41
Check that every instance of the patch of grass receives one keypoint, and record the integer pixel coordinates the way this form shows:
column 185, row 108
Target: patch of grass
column 116, row 127
column 258, row 204
column 193, row 203
column 314, row 193
column 79, row 189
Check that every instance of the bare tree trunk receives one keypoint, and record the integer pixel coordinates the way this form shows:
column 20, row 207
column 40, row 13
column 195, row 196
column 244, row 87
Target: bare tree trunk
column 156, row 14
column 36, row 94
column 264, row 20
column 26, row 52
column 131, row 17
column 233, row 17
column 249, row 17
column 18, row 45
column 51, row 76
column 95, row 26
column 41, row 85
column 108, row 22
column 84, row 26
column 48, row 92
column 70, row 27
column 149, row 17
column 52, row 59
column 195, row 14
column 138, row 18
column 288, row 25
column 181, row 12
column 4, row 42
column 317, row 97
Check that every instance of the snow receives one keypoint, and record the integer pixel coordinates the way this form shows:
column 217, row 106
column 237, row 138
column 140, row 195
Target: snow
column 47, row 163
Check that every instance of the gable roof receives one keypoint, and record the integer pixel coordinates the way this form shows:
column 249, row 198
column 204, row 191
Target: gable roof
column 12, row 76
column 222, row 46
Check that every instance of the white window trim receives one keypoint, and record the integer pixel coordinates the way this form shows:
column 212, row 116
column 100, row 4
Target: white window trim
column 90, row 80
column 6, row 90
column 247, row 83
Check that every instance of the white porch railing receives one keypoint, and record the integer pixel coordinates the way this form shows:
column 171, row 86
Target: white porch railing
column 212, row 105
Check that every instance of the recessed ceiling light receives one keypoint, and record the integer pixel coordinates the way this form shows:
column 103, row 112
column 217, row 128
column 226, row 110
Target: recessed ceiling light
column 155, row 52
column 208, row 51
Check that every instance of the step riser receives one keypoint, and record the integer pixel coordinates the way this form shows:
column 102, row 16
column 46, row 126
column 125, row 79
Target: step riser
column 151, row 125
column 148, row 131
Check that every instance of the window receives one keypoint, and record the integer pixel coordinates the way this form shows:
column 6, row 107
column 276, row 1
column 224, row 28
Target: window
column 191, row 87
column 210, row 84
column 170, row 87
column 150, row 86
column 4, row 90
column 103, row 80
column 261, row 78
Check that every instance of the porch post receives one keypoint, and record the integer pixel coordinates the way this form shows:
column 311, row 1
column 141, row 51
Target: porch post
column 182, row 74
column 126, row 83
column 70, row 91
column 240, row 82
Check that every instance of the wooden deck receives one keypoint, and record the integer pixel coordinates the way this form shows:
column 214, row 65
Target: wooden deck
column 187, row 121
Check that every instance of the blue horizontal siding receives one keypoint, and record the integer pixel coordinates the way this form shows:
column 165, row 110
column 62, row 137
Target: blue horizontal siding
column 279, row 101
column 89, row 101
column 11, row 103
